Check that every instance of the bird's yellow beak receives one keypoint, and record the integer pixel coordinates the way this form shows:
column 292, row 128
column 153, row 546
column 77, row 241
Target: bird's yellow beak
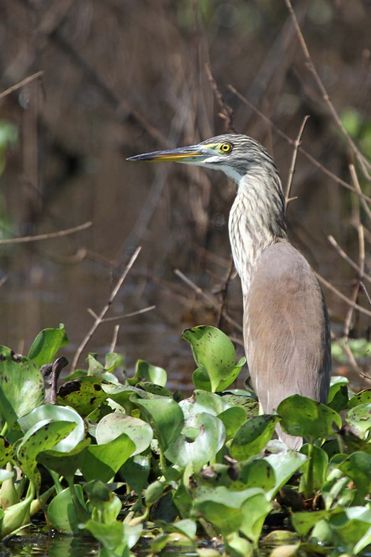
column 192, row 154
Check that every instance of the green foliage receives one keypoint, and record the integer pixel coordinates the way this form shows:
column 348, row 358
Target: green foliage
column 176, row 467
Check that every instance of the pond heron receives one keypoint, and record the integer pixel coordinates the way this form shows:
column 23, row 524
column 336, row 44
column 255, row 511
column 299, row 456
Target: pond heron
column 285, row 322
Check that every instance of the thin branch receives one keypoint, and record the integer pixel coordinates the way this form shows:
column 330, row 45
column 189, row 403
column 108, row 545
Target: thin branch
column 342, row 296
column 107, row 306
column 208, row 297
column 356, row 184
column 116, row 330
column 118, row 317
column 353, row 362
column 346, row 258
column 293, row 161
column 47, row 236
column 226, row 112
column 307, row 155
column 224, row 291
column 361, row 158
column 20, row 84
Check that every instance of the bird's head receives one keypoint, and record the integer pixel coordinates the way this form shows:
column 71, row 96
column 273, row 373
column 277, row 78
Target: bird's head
column 234, row 154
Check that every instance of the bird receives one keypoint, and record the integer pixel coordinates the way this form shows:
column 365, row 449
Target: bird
column 285, row 320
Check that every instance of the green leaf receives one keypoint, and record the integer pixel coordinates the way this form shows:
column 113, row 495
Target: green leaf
column 252, row 436
column 318, row 470
column 144, row 371
column 66, row 510
column 303, row 522
column 66, row 463
column 360, row 418
column 214, row 354
column 21, row 385
column 84, row 395
column 113, row 425
column 257, row 473
column 101, row 462
column 337, row 398
column 358, row 467
column 363, row 397
column 53, row 412
column 46, row 345
column 284, row 466
column 42, row 436
column 207, row 439
column 135, row 472
column 308, row 418
column 231, row 511
column 165, row 416
column 203, row 401
column 232, row 419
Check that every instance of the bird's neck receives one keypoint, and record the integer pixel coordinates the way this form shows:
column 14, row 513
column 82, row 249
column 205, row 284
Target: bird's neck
column 256, row 220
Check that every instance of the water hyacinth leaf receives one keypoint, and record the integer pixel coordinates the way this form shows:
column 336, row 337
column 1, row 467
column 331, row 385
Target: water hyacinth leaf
column 47, row 344
column 232, row 419
column 116, row 538
column 187, row 527
column 214, row 353
column 358, row 467
column 318, row 470
column 305, row 417
column 222, row 507
column 154, row 389
column 360, row 418
column 350, row 525
column 337, row 397
column 144, row 371
column 66, row 463
column 254, row 511
column 284, row 466
column 257, row 473
column 236, row 546
column 113, row 425
column 135, row 472
column 113, row 361
column 84, row 395
column 53, row 412
column 165, row 417
column 203, row 401
column 252, row 436
column 201, row 380
column 198, row 443
column 21, row 385
column 363, row 397
column 41, row 437
column 16, row 516
column 6, row 451
column 101, row 462
column 65, row 511
column 303, row 522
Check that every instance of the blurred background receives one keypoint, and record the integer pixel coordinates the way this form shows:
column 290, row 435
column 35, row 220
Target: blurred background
column 122, row 77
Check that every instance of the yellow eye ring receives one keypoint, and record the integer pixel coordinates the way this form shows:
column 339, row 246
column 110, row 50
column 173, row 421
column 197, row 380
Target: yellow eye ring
column 225, row 148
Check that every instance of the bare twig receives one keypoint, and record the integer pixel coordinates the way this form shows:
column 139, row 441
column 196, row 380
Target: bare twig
column 361, row 158
column 342, row 296
column 308, row 156
column 116, row 329
column 293, row 161
column 223, row 291
column 356, row 184
column 353, row 362
column 47, row 236
column 226, row 112
column 346, row 258
column 118, row 317
column 107, row 306
column 208, row 297
column 20, row 84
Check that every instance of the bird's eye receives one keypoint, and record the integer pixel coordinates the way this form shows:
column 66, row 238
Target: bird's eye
column 225, row 148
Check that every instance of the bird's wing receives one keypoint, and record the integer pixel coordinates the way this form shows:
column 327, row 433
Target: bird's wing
column 286, row 328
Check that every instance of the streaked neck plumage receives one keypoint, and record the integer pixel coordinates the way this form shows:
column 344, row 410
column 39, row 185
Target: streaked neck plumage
column 257, row 217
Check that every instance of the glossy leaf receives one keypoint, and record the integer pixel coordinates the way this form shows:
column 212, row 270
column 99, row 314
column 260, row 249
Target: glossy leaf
column 360, row 418
column 144, row 371
column 113, row 425
column 101, row 462
column 358, row 467
column 207, row 439
column 64, row 463
column 84, row 394
column 317, row 470
column 53, row 412
column 214, row 353
column 284, row 466
column 67, row 510
column 252, row 436
column 305, row 417
column 165, row 416
column 46, row 345
column 21, row 385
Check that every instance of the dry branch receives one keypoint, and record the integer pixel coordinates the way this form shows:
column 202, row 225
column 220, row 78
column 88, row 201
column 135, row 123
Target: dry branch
column 20, row 84
column 100, row 317
column 46, row 236
column 293, row 161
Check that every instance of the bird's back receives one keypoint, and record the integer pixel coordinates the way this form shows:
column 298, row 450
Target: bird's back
column 287, row 338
